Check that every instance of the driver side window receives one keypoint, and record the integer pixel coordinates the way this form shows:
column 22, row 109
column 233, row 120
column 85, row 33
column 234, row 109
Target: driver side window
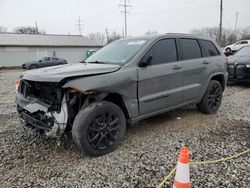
column 163, row 51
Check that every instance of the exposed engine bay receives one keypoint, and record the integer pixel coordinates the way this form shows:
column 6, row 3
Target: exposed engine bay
column 45, row 106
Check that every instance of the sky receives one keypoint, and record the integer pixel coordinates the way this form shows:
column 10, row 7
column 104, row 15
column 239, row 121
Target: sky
column 163, row 16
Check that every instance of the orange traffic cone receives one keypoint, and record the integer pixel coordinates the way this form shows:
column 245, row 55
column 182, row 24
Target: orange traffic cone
column 182, row 177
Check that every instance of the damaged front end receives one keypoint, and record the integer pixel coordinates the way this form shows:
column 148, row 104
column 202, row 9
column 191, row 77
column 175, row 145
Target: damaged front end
column 42, row 106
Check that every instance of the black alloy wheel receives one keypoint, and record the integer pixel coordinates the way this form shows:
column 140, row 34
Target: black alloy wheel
column 212, row 98
column 103, row 130
column 99, row 128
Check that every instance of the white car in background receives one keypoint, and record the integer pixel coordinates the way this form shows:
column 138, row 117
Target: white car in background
column 236, row 46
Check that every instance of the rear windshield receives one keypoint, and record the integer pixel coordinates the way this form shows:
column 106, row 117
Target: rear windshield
column 118, row 52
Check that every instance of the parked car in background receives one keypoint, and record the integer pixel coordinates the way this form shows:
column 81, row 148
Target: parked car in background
column 238, row 66
column 44, row 62
column 3, row 68
column 228, row 50
column 124, row 82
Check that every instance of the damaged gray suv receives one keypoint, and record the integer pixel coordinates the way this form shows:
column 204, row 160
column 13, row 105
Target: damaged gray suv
column 122, row 83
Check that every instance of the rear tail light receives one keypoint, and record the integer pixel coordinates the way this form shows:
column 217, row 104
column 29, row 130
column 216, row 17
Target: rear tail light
column 17, row 84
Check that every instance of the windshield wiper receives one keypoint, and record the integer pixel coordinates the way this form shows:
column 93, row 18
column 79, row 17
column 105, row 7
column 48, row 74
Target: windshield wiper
column 97, row 62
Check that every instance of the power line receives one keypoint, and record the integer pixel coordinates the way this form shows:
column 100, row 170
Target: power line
column 79, row 25
column 125, row 5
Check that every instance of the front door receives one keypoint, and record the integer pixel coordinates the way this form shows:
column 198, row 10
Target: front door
column 160, row 83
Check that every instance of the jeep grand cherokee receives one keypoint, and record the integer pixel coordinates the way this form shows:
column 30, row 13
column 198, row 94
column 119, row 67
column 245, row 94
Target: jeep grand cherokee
column 124, row 82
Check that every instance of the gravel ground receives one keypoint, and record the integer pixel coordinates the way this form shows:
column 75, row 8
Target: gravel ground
column 148, row 152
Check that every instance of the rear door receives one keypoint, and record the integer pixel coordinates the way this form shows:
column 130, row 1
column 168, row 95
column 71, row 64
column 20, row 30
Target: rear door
column 194, row 69
column 44, row 62
column 199, row 60
column 51, row 61
column 160, row 84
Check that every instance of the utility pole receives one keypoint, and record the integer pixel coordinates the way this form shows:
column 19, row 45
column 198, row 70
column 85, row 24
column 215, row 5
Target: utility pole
column 36, row 28
column 123, row 32
column 107, row 34
column 235, row 26
column 236, row 20
column 125, row 5
column 220, row 29
column 79, row 25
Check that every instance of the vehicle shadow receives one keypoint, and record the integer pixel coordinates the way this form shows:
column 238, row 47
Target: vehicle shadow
column 164, row 118
column 241, row 84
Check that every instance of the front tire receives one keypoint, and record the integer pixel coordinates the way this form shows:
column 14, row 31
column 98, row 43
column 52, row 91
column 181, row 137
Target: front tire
column 33, row 67
column 99, row 128
column 212, row 98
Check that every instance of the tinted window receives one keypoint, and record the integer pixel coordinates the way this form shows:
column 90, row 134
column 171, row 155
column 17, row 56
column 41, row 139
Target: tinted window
column 209, row 48
column 190, row 49
column 163, row 51
column 244, row 42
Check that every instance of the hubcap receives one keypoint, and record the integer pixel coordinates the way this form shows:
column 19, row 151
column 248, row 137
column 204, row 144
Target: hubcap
column 214, row 98
column 103, row 131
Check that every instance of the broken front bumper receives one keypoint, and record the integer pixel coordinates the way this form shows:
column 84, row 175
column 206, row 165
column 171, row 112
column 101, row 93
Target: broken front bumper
column 37, row 115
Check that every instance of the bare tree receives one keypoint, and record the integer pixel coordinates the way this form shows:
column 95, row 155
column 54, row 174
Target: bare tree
column 98, row 37
column 3, row 29
column 114, row 36
column 228, row 36
column 28, row 30
column 151, row 32
column 245, row 33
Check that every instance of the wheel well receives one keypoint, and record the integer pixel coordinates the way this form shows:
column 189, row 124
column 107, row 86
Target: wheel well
column 221, row 79
column 119, row 101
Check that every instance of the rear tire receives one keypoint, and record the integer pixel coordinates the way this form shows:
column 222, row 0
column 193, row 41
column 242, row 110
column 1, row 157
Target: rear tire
column 212, row 98
column 99, row 128
column 228, row 50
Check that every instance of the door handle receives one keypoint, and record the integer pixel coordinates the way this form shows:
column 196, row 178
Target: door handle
column 206, row 62
column 176, row 67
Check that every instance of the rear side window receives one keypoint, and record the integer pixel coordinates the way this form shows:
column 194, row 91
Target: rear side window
column 244, row 42
column 209, row 48
column 163, row 51
column 190, row 49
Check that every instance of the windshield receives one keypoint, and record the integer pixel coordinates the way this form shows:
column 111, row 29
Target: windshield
column 245, row 51
column 117, row 52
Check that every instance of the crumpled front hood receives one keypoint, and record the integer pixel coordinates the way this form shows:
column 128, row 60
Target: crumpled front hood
column 58, row 73
column 239, row 60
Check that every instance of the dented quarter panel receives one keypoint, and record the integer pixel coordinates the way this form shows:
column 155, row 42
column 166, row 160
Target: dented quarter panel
column 123, row 82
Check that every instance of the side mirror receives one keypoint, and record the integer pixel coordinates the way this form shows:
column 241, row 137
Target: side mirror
column 146, row 60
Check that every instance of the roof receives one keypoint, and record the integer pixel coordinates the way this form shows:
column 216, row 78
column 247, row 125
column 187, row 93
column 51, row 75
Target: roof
column 168, row 35
column 12, row 39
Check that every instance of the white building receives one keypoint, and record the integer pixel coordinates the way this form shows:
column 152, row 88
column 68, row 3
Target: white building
column 16, row 49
